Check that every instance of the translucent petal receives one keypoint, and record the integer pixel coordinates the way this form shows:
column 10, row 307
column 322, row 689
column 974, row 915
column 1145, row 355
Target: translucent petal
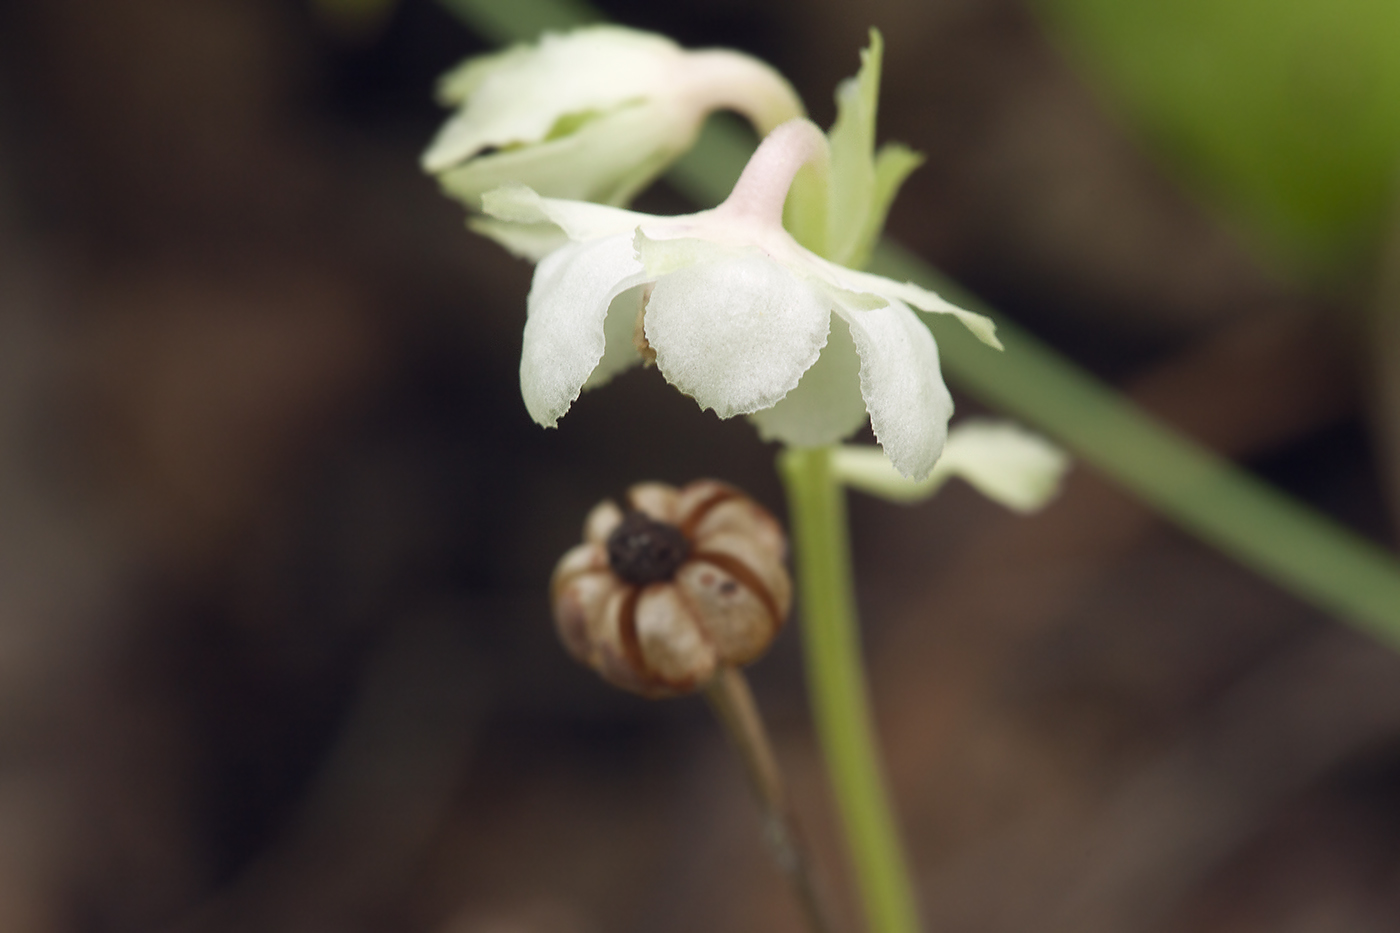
column 868, row 470
column 736, row 334
column 519, row 97
column 620, row 326
column 525, row 241
column 664, row 256
column 921, row 298
column 1007, row 463
column 578, row 219
column 1003, row 461
column 904, row 392
column 608, row 160
column 458, row 84
column 564, row 332
column 826, row 406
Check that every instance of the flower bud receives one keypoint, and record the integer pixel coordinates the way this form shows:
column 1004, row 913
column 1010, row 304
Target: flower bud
column 666, row 590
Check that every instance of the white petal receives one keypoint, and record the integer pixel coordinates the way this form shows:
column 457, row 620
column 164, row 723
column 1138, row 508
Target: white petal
column 826, row 406
column 525, row 241
column 1007, row 463
column 578, row 219
column 564, row 334
column 457, row 85
column 904, row 392
column 608, row 160
column 1003, row 461
column 736, row 334
column 619, row 328
column 868, row 470
column 921, row 298
column 663, row 254
column 519, row 97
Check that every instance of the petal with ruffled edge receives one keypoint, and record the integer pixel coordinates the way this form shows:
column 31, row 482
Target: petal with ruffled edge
column 909, row 293
column 1006, row 463
column 519, row 96
column 899, row 377
column 607, row 160
column 524, row 241
column 579, row 220
column 826, row 406
column 619, row 332
column 564, row 330
column 733, row 329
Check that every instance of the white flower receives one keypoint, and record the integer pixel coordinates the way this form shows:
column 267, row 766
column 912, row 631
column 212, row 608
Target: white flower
column 735, row 311
column 595, row 114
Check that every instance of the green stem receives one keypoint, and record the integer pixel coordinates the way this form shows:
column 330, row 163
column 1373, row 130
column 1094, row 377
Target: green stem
column 839, row 695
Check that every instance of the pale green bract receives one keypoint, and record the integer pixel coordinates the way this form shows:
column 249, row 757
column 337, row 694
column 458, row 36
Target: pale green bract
column 1006, row 463
column 594, row 114
column 735, row 310
column 840, row 215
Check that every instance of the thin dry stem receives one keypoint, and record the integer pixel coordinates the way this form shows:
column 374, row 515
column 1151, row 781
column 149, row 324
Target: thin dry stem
column 733, row 703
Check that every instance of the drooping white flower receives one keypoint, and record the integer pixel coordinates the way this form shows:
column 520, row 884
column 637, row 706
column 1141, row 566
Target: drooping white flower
column 738, row 315
column 595, row 114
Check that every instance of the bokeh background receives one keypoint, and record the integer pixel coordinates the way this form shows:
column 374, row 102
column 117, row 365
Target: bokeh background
column 275, row 529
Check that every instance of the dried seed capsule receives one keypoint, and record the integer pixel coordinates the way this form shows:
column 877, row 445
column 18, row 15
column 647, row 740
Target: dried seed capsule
column 678, row 582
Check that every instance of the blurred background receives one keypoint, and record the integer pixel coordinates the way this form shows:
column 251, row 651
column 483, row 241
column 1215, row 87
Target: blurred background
column 275, row 528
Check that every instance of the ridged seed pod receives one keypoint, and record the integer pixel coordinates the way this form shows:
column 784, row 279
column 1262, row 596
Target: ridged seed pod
column 680, row 581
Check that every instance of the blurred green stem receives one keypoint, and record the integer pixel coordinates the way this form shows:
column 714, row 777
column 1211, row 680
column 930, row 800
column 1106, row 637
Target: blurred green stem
column 837, row 686
column 1384, row 339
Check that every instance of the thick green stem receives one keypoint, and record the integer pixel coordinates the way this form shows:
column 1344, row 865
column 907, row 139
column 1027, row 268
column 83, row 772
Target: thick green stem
column 839, row 696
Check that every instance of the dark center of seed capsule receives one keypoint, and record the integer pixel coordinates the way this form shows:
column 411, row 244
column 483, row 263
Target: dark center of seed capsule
column 642, row 550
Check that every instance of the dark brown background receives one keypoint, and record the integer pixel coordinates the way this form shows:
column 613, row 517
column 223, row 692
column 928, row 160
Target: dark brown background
column 275, row 527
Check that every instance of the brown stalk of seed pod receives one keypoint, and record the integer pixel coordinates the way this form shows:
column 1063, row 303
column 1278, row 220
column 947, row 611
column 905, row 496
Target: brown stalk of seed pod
column 671, row 593
column 734, row 706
